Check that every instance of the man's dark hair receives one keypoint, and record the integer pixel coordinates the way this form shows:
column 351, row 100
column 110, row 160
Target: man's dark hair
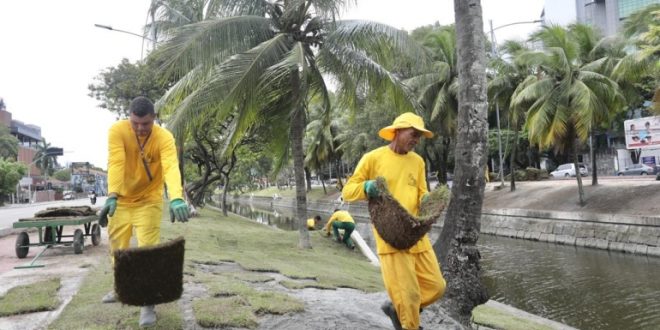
column 317, row 218
column 337, row 210
column 142, row 106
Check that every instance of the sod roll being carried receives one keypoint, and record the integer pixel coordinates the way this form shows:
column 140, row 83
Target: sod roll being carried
column 395, row 225
column 150, row 275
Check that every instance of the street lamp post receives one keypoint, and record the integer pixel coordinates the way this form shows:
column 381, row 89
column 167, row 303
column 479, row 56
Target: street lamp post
column 108, row 27
column 493, row 49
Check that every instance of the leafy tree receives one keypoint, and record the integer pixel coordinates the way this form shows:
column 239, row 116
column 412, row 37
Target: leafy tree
column 116, row 87
column 63, row 175
column 10, row 173
column 457, row 246
column 266, row 61
column 8, row 144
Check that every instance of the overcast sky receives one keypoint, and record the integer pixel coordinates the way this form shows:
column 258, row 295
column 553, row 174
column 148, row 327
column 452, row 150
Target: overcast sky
column 50, row 52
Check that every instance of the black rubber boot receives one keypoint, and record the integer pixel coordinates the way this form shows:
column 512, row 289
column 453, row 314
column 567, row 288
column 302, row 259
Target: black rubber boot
column 389, row 310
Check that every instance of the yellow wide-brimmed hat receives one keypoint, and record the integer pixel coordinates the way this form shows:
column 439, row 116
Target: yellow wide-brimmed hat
column 405, row 120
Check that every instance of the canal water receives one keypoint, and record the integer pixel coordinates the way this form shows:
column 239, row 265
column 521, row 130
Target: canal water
column 584, row 288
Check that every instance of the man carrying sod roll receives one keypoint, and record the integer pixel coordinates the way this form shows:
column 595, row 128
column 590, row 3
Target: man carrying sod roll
column 142, row 158
column 412, row 276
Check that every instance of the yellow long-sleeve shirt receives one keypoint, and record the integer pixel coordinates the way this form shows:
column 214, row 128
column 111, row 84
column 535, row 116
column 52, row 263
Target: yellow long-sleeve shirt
column 341, row 216
column 127, row 176
column 406, row 181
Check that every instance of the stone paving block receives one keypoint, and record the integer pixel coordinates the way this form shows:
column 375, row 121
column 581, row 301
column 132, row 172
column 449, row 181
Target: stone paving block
column 581, row 241
column 616, row 246
column 552, row 238
column 641, row 249
column 543, row 237
column 520, row 234
column 629, row 247
column 653, row 251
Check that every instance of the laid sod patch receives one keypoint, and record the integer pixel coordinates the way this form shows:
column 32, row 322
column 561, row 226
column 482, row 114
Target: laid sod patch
column 212, row 238
column 294, row 285
column 498, row 319
column 36, row 297
column 274, row 303
column 86, row 311
column 224, row 312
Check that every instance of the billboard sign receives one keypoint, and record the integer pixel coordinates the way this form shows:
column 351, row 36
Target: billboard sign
column 642, row 133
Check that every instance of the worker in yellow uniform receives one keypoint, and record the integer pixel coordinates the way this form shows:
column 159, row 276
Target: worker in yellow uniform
column 312, row 222
column 142, row 158
column 412, row 277
column 341, row 220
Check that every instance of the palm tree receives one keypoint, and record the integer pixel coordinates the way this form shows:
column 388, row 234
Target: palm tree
column 436, row 90
column 44, row 160
column 457, row 245
column 508, row 76
column 266, row 61
column 566, row 98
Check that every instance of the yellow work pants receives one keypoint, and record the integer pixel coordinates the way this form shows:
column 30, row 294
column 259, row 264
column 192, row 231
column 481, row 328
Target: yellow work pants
column 145, row 220
column 413, row 281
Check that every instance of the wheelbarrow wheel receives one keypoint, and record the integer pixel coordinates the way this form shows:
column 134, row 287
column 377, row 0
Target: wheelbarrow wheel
column 96, row 234
column 22, row 242
column 78, row 241
column 48, row 236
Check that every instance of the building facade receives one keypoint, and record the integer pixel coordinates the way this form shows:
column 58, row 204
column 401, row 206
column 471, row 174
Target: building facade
column 606, row 15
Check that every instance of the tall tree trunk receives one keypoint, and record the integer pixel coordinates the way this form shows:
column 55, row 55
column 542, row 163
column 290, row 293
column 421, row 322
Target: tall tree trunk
column 325, row 192
column 578, row 176
column 442, row 176
column 297, row 133
column 594, row 167
column 224, row 195
column 308, row 178
column 457, row 245
column 512, row 162
column 340, row 184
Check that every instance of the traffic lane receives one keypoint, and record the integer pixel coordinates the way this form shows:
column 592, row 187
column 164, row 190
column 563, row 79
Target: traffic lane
column 11, row 213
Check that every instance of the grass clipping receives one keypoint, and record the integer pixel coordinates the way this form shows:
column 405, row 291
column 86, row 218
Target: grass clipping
column 395, row 225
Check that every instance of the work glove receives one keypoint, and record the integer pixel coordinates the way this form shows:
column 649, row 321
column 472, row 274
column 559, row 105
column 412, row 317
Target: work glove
column 425, row 197
column 179, row 210
column 370, row 189
column 107, row 211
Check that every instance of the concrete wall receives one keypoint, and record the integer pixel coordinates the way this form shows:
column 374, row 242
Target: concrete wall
column 624, row 233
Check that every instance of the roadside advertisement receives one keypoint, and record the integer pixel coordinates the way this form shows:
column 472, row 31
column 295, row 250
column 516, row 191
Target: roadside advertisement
column 642, row 133
column 648, row 160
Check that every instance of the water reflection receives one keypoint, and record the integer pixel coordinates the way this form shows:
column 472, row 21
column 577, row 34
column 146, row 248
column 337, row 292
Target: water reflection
column 584, row 288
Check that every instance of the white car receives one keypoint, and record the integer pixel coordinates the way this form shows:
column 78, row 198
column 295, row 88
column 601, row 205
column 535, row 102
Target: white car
column 566, row 170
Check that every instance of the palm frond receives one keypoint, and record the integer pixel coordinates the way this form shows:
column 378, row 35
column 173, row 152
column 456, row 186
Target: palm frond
column 209, row 43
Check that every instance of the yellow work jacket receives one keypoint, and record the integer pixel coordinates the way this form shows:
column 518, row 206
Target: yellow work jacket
column 406, row 181
column 311, row 224
column 127, row 176
column 342, row 216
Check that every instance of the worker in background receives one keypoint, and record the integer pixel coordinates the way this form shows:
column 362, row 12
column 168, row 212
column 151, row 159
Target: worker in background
column 412, row 277
column 313, row 222
column 341, row 220
column 141, row 159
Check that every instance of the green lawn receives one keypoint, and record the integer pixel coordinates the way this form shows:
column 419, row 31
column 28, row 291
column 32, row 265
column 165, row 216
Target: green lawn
column 229, row 300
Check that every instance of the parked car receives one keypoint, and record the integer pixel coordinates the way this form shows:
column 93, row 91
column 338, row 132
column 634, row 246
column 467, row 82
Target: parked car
column 68, row 195
column 566, row 170
column 637, row 169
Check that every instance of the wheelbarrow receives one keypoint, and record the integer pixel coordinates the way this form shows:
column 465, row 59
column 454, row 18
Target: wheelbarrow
column 51, row 234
